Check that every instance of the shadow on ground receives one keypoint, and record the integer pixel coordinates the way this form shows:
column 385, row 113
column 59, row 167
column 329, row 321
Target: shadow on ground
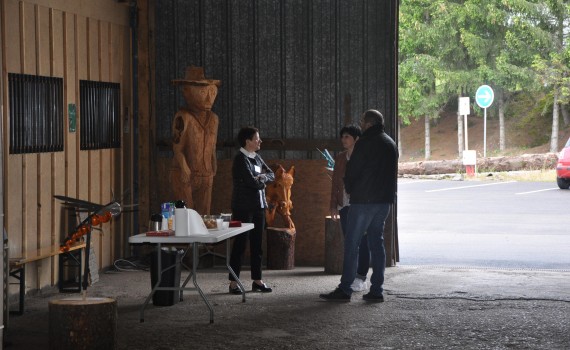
column 425, row 308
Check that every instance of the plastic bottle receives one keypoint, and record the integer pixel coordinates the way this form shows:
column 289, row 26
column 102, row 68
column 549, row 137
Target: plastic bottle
column 165, row 208
column 171, row 216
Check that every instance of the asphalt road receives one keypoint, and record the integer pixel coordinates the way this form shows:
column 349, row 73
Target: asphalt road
column 485, row 224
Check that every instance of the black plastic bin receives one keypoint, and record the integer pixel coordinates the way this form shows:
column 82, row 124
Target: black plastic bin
column 170, row 277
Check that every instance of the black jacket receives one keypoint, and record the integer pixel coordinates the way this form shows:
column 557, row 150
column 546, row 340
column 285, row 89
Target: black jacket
column 372, row 171
column 247, row 186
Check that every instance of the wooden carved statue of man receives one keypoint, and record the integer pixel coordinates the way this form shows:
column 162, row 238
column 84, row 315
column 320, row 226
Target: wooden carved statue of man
column 194, row 136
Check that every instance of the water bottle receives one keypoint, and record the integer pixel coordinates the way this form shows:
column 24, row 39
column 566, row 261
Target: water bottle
column 171, row 216
column 165, row 208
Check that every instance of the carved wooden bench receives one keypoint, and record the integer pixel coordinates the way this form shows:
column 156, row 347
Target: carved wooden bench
column 18, row 266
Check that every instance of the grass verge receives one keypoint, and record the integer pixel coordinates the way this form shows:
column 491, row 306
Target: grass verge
column 526, row 175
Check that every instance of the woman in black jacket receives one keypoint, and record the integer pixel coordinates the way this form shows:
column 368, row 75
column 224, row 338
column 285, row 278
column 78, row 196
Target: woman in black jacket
column 250, row 174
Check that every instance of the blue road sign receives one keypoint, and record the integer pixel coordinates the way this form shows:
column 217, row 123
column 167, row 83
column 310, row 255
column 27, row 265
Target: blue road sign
column 484, row 96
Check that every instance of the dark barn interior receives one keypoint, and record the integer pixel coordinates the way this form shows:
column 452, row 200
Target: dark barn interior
column 297, row 70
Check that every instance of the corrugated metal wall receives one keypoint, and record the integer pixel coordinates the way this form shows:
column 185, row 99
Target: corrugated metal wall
column 297, row 69
column 3, row 321
column 287, row 66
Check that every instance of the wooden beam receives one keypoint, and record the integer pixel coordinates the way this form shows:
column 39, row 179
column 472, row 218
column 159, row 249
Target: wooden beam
column 274, row 144
column 145, row 118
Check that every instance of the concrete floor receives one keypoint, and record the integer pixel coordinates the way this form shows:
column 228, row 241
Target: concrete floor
column 425, row 308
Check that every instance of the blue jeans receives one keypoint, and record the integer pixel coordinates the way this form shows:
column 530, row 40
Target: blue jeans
column 369, row 218
column 363, row 252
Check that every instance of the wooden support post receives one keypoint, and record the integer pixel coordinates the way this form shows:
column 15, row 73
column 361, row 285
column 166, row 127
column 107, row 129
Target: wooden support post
column 334, row 246
column 83, row 323
column 280, row 248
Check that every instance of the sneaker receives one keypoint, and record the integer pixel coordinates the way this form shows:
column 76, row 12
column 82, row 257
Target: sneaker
column 359, row 285
column 336, row 295
column 373, row 298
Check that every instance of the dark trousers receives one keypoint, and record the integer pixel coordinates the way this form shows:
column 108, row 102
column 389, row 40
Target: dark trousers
column 257, row 217
column 363, row 251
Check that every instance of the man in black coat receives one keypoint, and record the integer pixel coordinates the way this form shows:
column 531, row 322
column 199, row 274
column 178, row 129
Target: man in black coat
column 371, row 180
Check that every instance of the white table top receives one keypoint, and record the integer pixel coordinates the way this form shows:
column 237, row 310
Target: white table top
column 213, row 236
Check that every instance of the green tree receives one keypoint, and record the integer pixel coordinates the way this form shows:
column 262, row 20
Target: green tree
column 449, row 48
column 552, row 67
column 429, row 44
column 501, row 37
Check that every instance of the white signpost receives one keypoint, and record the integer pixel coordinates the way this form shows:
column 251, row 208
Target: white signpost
column 464, row 109
column 469, row 157
column 484, row 98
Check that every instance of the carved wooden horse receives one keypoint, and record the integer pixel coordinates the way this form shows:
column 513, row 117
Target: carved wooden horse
column 278, row 195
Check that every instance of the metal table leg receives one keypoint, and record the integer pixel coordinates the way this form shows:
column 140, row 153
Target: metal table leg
column 194, row 267
column 20, row 274
column 179, row 288
column 192, row 275
column 241, row 287
column 155, row 287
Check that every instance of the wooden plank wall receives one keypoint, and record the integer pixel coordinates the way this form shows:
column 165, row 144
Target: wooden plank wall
column 74, row 40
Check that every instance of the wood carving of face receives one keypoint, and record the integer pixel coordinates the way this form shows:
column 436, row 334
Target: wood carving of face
column 200, row 97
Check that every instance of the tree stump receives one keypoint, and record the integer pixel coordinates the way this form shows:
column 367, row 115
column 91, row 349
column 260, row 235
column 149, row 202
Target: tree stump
column 334, row 246
column 280, row 248
column 82, row 324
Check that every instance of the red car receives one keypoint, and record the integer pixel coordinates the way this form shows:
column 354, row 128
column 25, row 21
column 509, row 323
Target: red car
column 563, row 167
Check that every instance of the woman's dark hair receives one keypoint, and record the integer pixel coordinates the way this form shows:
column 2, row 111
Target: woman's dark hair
column 246, row 133
column 352, row 130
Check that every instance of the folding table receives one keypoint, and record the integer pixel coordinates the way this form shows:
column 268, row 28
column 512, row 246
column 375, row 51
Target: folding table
column 213, row 236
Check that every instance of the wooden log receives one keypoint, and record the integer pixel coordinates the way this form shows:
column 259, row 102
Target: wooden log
column 334, row 246
column 82, row 324
column 280, row 248
column 489, row 164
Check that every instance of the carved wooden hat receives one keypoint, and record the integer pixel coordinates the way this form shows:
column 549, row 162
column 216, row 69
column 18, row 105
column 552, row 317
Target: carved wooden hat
column 195, row 76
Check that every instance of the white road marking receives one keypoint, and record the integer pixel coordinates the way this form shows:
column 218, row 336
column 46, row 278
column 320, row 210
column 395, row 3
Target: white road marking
column 547, row 189
column 462, row 187
column 400, row 182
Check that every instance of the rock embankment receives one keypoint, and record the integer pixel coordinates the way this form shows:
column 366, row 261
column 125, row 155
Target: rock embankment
column 489, row 164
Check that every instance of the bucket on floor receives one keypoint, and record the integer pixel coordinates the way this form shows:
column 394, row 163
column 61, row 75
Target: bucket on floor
column 170, row 277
